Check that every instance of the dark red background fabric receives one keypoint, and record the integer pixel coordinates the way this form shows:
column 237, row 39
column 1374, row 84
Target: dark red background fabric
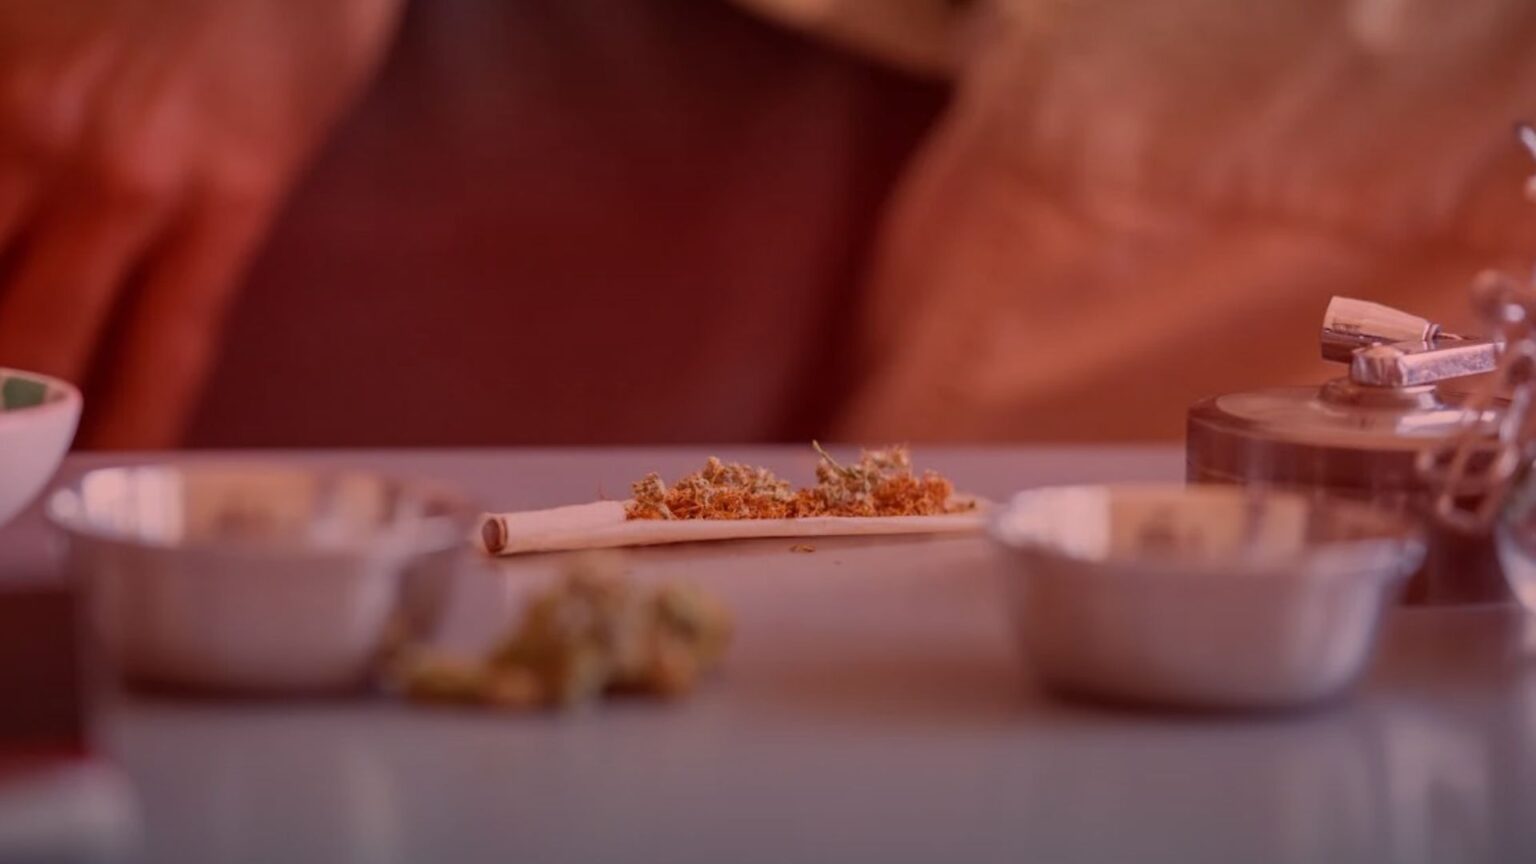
column 573, row 222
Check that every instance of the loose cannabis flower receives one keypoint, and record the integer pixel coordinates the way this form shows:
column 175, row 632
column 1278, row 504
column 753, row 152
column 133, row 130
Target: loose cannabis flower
column 718, row 491
column 594, row 633
column 881, row 483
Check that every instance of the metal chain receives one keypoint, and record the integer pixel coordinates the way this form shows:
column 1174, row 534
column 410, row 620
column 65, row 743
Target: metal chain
column 1473, row 473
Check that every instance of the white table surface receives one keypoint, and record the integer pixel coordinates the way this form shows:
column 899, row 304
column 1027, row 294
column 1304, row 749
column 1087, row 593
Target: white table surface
column 872, row 711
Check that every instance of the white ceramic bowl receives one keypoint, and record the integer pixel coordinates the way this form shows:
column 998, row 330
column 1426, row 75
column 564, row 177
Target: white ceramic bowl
column 38, row 416
column 1199, row 597
column 256, row 578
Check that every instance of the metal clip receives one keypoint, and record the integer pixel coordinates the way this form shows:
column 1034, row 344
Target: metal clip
column 1350, row 324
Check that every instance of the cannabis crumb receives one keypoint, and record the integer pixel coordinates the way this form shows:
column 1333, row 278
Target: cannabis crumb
column 802, row 547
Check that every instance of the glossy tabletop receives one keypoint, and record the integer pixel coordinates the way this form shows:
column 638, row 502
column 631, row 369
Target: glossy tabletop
column 872, row 710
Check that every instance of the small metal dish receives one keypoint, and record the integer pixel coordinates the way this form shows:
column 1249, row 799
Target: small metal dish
column 257, row 578
column 1207, row 597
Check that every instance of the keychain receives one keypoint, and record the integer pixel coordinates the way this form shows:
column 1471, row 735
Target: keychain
column 1474, row 473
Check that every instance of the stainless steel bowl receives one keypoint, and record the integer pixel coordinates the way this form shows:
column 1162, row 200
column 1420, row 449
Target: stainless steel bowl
column 1200, row 596
column 256, row 578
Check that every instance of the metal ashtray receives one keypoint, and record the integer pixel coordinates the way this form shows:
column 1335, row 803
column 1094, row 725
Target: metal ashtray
column 1201, row 596
column 255, row 578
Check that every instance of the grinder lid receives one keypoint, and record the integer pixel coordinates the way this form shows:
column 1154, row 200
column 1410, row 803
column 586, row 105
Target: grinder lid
column 1335, row 436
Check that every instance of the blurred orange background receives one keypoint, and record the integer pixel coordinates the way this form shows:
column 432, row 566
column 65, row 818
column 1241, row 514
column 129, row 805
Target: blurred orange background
column 684, row 221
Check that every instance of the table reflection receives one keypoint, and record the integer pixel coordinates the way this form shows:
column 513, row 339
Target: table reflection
column 1433, row 761
column 250, row 787
column 1455, row 705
